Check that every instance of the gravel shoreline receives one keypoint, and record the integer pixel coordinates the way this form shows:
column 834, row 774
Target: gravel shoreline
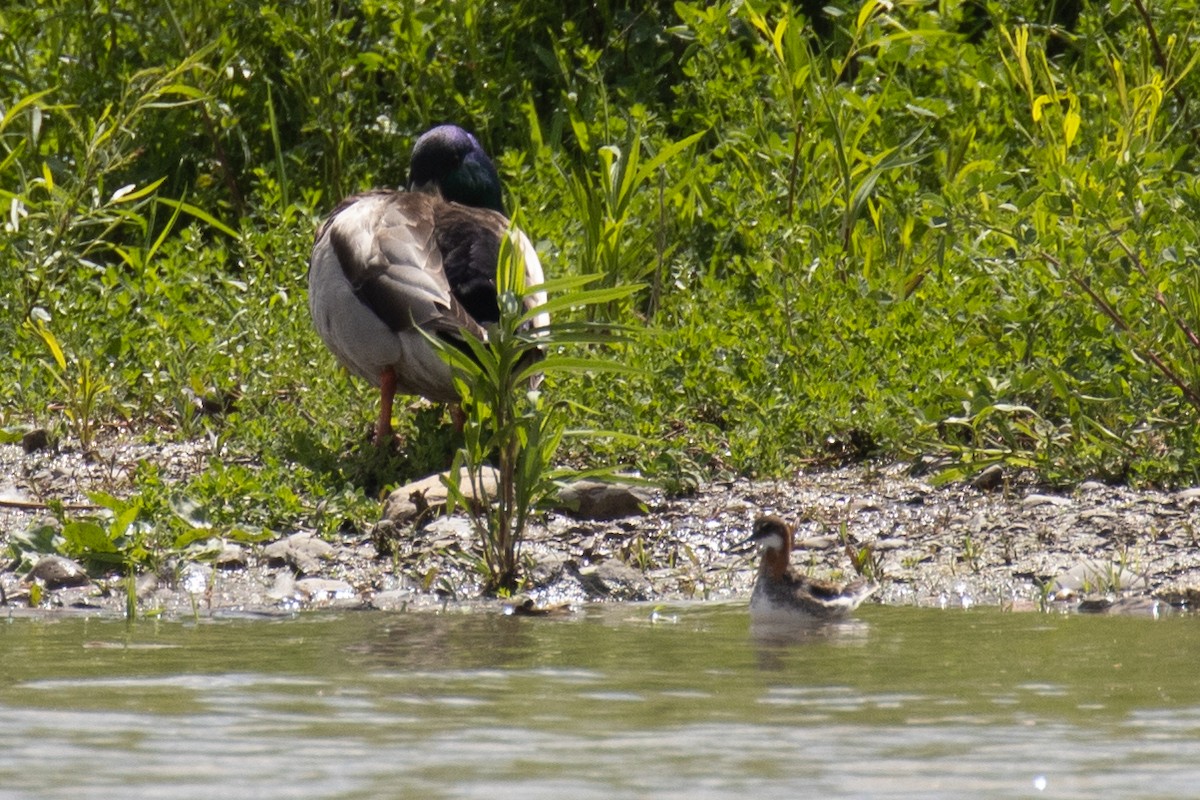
column 1097, row 548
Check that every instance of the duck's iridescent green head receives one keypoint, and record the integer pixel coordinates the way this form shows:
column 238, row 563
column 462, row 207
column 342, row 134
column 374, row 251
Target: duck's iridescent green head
column 450, row 159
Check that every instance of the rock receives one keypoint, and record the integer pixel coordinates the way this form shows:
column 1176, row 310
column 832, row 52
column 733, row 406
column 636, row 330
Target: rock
column 597, row 500
column 1035, row 500
column 146, row 586
column 35, row 440
column 975, row 523
column 1130, row 606
column 547, row 569
column 393, row 599
column 1097, row 605
column 449, row 531
column 1183, row 597
column 427, row 496
column 1096, row 577
column 55, row 572
column 284, row 587
column 826, row 542
column 232, row 556
column 989, row 479
column 303, row 551
column 11, row 495
column 613, row 580
column 324, row 590
column 1188, row 496
column 889, row 544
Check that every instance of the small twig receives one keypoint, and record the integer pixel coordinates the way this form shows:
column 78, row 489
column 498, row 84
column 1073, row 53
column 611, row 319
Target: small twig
column 794, row 168
column 227, row 171
column 1160, row 56
column 1188, row 392
column 1159, row 297
column 37, row 505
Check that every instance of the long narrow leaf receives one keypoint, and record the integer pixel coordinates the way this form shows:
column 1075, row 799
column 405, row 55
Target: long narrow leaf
column 201, row 215
column 162, row 236
column 580, row 299
column 123, row 196
column 22, row 104
column 576, row 364
column 667, row 153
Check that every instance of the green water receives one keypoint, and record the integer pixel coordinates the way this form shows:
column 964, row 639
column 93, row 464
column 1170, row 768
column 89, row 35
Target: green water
column 614, row 702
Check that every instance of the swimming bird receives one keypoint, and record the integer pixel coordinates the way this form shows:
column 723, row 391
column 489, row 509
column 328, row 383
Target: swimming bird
column 779, row 593
column 389, row 264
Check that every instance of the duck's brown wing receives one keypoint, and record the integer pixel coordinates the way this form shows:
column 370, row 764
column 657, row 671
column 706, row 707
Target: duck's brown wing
column 387, row 245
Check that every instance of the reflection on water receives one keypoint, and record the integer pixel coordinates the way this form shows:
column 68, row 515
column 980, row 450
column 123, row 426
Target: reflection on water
column 617, row 702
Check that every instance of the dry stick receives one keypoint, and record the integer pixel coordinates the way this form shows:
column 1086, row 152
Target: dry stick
column 793, row 172
column 227, row 173
column 1159, row 297
column 794, row 169
column 210, row 130
column 660, row 247
column 1188, row 392
column 35, row 504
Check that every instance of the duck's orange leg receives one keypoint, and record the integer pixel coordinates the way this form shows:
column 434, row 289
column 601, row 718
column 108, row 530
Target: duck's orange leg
column 387, row 393
column 458, row 416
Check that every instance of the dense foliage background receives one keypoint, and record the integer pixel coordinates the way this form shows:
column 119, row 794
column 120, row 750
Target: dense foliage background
column 965, row 229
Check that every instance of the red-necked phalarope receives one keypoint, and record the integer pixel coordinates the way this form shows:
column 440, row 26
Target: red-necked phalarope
column 780, row 594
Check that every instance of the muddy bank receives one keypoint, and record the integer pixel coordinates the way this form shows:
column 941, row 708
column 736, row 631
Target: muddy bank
column 1012, row 546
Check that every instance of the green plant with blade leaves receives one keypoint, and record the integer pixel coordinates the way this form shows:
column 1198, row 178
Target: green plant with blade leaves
column 509, row 419
column 82, row 391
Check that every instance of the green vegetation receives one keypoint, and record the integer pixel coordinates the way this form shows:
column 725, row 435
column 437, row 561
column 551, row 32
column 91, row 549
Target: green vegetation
column 921, row 233
column 507, row 420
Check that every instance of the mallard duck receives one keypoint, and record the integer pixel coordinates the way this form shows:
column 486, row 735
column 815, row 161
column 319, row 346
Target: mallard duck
column 388, row 264
column 781, row 594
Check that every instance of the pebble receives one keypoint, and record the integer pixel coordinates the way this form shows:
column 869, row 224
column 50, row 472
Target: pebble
column 597, row 500
column 322, row 591
column 613, row 580
column 303, row 551
column 1035, row 500
column 413, row 500
column 827, row 542
column 232, row 556
column 989, row 479
column 56, row 572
